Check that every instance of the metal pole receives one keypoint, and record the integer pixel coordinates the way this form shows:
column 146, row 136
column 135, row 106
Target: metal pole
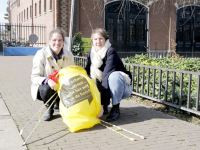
column 71, row 24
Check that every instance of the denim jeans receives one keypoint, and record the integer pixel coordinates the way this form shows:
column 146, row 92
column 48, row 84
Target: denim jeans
column 118, row 87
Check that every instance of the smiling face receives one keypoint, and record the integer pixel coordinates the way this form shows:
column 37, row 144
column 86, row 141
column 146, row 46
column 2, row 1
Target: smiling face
column 98, row 41
column 56, row 42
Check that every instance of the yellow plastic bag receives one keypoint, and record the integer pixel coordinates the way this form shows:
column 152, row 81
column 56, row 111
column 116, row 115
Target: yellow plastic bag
column 79, row 99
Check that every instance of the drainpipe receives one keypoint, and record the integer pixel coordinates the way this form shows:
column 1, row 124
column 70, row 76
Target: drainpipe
column 56, row 9
column 53, row 12
column 71, row 24
column 148, row 34
column 32, row 16
column 148, row 31
column 169, row 34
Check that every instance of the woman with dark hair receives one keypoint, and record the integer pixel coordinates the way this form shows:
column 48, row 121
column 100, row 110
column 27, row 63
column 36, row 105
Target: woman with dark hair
column 45, row 62
column 107, row 70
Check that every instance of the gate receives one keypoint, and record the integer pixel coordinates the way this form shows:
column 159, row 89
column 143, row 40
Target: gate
column 188, row 31
column 126, row 26
column 18, row 35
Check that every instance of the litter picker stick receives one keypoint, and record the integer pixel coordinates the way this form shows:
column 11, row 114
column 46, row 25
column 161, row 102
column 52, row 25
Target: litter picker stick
column 132, row 139
column 39, row 121
column 35, row 114
column 124, row 129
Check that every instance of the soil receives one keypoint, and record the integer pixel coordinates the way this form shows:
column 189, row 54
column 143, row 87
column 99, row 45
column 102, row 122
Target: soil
column 181, row 114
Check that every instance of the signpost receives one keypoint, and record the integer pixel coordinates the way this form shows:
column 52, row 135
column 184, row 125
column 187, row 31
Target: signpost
column 71, row 24
column 33, row 39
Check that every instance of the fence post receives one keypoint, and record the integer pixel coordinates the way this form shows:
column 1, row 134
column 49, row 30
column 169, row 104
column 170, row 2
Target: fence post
column 197, row 100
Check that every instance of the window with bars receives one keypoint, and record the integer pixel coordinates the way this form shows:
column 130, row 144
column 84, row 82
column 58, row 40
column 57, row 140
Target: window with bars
column 110, row 29
column 141, row 30
column 187, row 31
column 198, row 32
column 40, row 7
column 132, row 30
column 120, row 29
column 44, row 5
column 180, row 31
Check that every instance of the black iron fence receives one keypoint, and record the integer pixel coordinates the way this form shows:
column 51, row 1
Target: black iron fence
column 160, row 54
column 176, row 88
column 18, row 35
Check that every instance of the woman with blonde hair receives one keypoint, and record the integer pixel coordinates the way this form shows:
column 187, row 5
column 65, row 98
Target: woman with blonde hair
column 107, row 70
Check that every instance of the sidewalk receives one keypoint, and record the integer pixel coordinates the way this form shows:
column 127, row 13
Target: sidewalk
column 161, row 131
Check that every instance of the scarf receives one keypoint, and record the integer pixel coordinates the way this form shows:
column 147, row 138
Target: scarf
column 57, row 57
column 96, row 59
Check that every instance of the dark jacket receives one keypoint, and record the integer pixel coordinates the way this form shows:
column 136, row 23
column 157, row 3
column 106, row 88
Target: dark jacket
column 111, row 63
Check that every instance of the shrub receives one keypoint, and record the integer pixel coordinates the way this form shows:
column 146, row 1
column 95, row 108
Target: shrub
column 77, row 48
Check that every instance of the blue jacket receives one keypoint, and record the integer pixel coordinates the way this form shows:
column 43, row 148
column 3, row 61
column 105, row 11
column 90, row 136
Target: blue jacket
column 111, row 63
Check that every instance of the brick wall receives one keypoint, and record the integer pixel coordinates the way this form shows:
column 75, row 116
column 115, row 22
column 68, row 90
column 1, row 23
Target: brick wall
column 160, row 25
column 95, row 18
column 45, row 18
column 84, row 14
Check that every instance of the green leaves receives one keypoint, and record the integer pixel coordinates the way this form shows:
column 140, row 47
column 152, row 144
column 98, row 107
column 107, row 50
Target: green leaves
column 77, row 48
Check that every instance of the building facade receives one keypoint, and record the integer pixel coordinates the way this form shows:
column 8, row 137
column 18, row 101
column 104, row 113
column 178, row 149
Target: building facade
column 133, row 26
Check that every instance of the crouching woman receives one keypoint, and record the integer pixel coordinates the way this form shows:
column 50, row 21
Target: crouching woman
column 107, row 70
column 45, row 62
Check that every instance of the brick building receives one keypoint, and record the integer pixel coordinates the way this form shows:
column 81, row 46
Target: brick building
column 134, row 27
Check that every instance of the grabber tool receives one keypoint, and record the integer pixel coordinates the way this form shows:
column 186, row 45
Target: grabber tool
column 38, row 112
column 119, row 128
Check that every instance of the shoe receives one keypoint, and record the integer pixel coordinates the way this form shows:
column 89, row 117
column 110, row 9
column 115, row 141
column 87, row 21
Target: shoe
column 48, row 115
column 56, row 106
column 105, row 108
column 114, row 114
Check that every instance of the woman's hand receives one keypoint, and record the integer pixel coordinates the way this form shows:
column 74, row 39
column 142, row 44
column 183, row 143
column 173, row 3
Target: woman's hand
column 101, row 112
column 53, row 85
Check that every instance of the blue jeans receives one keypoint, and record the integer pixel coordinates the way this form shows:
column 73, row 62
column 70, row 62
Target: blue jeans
column 118, row 87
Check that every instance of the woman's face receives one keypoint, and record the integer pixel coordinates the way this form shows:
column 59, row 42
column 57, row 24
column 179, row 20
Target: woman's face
column 56, row 42
column 98, row 41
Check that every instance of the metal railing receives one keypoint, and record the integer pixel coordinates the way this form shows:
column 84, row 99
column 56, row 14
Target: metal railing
column 19, row 35
column 168, row 86
column 160, row 54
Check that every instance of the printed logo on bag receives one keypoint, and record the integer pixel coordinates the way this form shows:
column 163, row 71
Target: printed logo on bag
column 75, row 91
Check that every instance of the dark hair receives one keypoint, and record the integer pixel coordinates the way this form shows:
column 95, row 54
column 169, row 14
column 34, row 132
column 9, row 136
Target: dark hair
column 100, row 31
column 57, row 30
